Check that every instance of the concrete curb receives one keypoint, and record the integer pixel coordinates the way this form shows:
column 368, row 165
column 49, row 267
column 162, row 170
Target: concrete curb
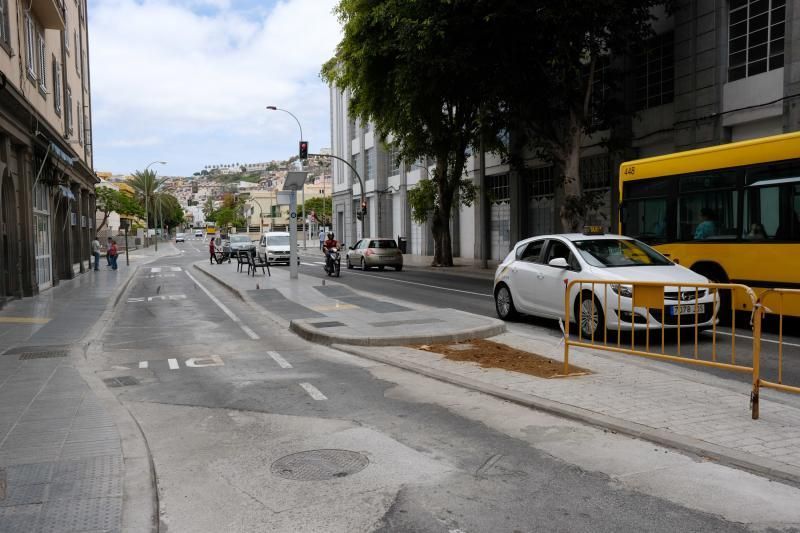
column 726, row 456
column 306, row 330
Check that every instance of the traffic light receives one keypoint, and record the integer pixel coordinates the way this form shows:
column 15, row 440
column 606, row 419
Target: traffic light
column 363, row 208
column 303, row 149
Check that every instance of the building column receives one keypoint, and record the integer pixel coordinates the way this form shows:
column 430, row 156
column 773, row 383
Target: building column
column 27, row 249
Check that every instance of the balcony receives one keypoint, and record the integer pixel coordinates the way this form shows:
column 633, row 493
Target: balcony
column 50, row 13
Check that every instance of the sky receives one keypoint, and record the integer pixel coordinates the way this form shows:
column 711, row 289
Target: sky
column 188, row 81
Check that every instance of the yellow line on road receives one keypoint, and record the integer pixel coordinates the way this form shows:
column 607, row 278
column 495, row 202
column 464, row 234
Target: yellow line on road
column 23, row 320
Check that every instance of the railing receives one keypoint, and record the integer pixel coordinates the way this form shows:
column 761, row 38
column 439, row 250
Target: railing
column 651, row 309
column 774, row 302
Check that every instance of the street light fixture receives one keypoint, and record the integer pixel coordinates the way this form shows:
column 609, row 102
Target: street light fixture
column 146, row 205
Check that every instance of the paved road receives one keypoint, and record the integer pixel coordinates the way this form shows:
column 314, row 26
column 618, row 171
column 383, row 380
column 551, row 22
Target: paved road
column 222, row 396
column 450, row 288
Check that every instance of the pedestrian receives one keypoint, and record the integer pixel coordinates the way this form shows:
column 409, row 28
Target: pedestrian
column 113, row 253
column 211, row 250
column 321, row 237
column 108, row 257
column 96, row 252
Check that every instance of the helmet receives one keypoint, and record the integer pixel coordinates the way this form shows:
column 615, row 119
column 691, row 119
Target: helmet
column 330, row 235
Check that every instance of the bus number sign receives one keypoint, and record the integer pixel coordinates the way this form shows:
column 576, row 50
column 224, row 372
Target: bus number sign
column 629, row 171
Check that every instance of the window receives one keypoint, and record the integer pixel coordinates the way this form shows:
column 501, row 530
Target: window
column 654, row 72
column 77, row 50
column 371, row 164
column 57, row 86
column 755, row 37
column 559, row 249
column 707, row 206
column 79, row 116
column 498, row 188
column 619, row 253
column 69, row 112
column 595, row 172
column 66, row 30
column 394, row 161
column 531, row 252
column 30, row 46
column 42, row 60
column 646, row 219
column 4, row 28
column 772, row 203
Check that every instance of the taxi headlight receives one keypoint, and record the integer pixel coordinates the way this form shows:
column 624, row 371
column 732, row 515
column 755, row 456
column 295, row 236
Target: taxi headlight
column 623, row 290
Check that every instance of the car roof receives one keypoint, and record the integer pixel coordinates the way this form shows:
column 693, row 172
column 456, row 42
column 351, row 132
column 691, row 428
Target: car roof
column 572, row 237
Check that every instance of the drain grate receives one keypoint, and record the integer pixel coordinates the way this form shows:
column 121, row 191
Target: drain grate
column 319, row 465
column 18, row 350
column 333, row 324
column 42, row 355
column 121, row 381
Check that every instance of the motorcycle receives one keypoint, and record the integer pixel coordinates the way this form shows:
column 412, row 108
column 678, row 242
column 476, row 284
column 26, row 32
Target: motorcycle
column 333, row 263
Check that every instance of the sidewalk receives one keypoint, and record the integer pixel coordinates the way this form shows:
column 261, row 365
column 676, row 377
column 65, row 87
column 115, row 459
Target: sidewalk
column 62, row 461
column 666, row 404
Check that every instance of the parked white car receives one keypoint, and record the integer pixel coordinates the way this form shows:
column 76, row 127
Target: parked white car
column 274, row 247
column 533, row 277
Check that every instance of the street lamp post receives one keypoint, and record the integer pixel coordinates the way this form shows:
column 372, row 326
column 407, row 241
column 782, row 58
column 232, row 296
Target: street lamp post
column 146, row 205
column 360, row 183
column 275, row 108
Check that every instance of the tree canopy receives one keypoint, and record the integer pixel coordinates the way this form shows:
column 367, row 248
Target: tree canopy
column 110, row 200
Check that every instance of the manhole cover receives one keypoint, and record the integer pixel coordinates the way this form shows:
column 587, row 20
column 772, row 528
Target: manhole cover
column 319, row 465
column 42, row 355
column 121, row 381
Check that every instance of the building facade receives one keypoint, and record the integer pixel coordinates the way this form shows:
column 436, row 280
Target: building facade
column 47, row 211
column 715, row 72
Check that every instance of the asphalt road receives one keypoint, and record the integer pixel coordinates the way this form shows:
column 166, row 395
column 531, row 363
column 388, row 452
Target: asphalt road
column 223, row 395
column 467, row 292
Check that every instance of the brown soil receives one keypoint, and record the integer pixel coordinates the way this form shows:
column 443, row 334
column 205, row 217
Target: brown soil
column 490, row 354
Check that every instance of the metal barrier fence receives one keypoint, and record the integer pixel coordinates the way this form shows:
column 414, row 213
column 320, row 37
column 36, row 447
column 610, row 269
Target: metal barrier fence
column 650, row 309
column 774, row 302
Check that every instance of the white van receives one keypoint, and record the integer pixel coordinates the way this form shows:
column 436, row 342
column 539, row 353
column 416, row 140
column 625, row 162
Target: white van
column 274, row 246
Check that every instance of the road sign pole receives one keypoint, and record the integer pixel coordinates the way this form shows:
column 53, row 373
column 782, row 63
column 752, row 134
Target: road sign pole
column 293, row 235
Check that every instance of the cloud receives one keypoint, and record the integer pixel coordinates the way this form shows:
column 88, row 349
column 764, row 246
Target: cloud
column 195, row 77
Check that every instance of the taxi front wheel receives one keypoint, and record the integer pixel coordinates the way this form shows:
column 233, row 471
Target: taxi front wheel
column 589, row 316
column 504, row 303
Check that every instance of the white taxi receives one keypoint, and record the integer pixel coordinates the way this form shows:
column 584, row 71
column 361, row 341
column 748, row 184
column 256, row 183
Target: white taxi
column 533, row 277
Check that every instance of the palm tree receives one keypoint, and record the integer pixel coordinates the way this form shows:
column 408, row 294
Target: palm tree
column 145, row 183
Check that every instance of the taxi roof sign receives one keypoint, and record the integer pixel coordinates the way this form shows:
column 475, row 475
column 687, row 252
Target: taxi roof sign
column 593, row 230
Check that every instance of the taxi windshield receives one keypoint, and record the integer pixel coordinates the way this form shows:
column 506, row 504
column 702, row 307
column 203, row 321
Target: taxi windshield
column 619, row 253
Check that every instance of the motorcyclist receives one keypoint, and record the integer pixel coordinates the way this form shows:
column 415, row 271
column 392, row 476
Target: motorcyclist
column 329, row 244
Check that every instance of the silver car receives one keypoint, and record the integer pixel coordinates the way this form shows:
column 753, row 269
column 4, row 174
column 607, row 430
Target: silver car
column 368, row 253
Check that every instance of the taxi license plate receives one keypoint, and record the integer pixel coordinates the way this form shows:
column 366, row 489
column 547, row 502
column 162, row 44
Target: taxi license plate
column 688, row 309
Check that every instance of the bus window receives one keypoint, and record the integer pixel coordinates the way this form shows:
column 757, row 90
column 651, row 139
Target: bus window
column 705, row 213
column 646, row 219
column 761, row 213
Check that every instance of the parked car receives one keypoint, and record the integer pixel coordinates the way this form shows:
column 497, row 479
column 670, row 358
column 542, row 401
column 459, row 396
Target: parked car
column 180, row 237
column 375, row 252
column 241, row 243
column 198, row 233
column 531, row 280
column 274, row 247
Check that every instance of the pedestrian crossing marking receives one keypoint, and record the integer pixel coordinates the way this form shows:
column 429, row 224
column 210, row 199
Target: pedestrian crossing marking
column 164, row 297
column 156, row 270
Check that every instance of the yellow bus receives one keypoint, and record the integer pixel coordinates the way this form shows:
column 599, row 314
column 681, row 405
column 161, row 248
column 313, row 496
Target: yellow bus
column 211, row 228
column 730, row 212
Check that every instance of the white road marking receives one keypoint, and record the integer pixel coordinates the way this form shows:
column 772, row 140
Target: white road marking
column 280, row 360
column 134, row 300
column 310, row 264
column 173, row 364
column 155, row 270
column 319, row 263
column 143, row 364
column 201, row 362
column 751, row 338
column 161, row 276
column 421, row 284
column 313, row 391
column 163, row 297
column 250, row 333
column 176, row 269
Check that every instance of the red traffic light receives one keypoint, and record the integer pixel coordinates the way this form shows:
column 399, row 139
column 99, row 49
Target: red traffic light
column 303, row 150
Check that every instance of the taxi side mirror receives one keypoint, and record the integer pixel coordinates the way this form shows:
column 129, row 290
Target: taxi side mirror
column 559, row 262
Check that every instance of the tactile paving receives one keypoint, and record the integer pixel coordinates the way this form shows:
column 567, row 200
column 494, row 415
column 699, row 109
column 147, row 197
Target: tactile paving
column 24, row 494
column 101, row 514
column 102, row 466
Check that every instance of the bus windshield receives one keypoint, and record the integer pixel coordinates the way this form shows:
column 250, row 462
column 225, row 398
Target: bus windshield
column 619, row 253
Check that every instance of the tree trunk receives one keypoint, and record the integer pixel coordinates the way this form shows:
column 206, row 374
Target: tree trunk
column 571, row 212
column 103, row 223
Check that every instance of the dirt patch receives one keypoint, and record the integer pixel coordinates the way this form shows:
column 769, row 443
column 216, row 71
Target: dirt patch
column 490, row 354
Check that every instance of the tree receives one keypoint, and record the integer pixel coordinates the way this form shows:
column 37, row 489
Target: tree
column 555, row 84
column 322, row 209
column 389, row 47
column 113, row 201
column 171, row 212
column 145, row 183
